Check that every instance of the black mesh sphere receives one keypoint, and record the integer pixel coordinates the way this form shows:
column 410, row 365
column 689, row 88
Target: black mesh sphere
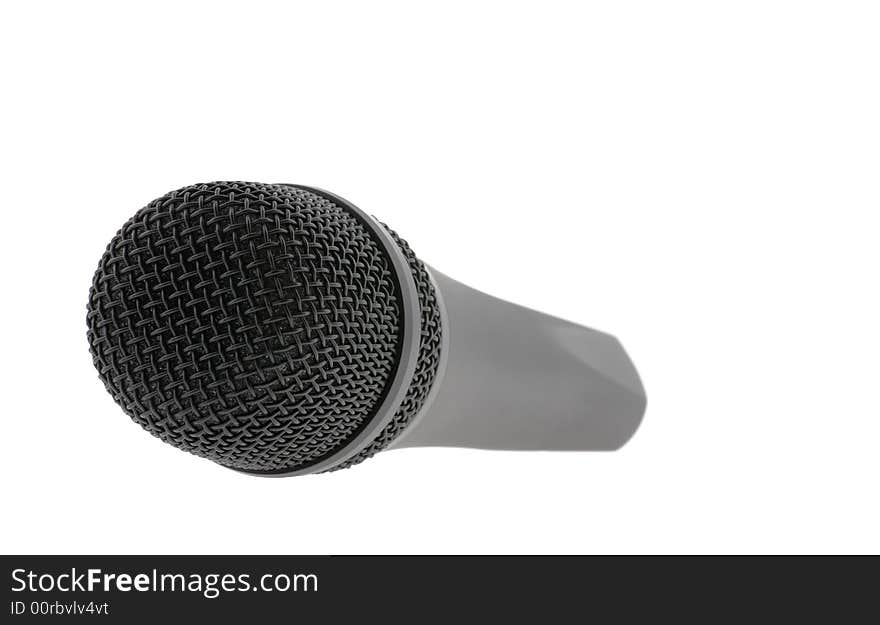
column 255, row 325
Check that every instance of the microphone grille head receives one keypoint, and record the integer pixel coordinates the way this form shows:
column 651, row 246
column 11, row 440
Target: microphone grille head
column 260, row 326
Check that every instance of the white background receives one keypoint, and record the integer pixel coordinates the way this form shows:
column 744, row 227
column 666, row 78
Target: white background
column 698, row 178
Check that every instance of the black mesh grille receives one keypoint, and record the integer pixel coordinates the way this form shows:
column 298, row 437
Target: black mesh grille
column 255, row 325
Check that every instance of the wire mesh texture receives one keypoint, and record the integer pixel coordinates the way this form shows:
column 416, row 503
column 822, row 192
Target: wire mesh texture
column 430, row 342
column 255, row 325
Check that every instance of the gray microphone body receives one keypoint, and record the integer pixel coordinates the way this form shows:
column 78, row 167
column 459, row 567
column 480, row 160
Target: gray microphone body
column 518, row 379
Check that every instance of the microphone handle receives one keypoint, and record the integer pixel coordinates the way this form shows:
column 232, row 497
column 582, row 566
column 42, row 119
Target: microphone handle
column 514, row 378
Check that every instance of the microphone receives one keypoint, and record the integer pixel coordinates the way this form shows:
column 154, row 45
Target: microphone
column 278, row 330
